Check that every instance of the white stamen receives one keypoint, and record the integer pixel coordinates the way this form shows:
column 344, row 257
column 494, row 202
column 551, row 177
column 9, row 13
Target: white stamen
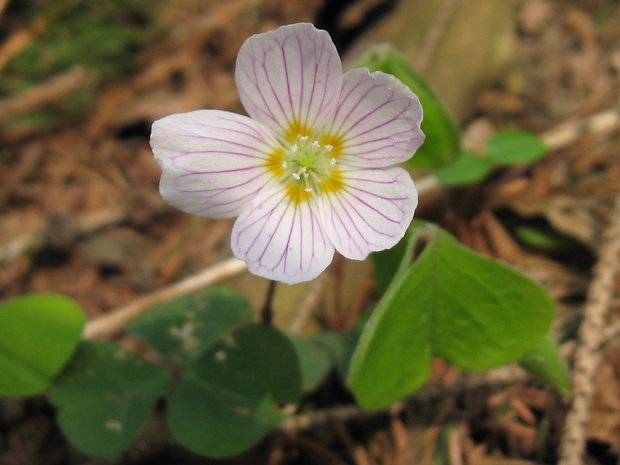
column 316, row 143
column 332, row 162
column 304, row 138
column 296, row 176
column 308, row 189
column 294, row 148
column 284, row 164
column 329, row 147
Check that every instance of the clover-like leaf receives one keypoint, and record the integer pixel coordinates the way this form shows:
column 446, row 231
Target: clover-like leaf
column 104, row 395
column 228, row 399
column 183, row 329
column 453, row 303
column 315, row 361
column 38, row 334
column 467, row 169
column 514, row 146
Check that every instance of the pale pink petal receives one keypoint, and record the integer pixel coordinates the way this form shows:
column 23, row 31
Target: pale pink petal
column 280, row 239
column 289, row 77
column 377, row 120
column 371, row 212
column 213, row 162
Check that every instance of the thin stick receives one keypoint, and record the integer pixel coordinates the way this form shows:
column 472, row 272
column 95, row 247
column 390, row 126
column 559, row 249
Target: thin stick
column 474, row 382
column 434, row 34
column 16, row 42
column 309, row 303
column 49, row 91
column 591, row 333
column 112, row 322
column 3, row 5
column 568, row 132
column 85, row 224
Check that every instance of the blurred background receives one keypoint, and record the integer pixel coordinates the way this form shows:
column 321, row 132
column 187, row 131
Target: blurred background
column 81, row 81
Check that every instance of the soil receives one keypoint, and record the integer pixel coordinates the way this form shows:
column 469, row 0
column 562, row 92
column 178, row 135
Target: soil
column 81, row 214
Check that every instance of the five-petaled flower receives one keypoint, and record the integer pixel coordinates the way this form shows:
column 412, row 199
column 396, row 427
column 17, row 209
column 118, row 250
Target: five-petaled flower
column 313, row 167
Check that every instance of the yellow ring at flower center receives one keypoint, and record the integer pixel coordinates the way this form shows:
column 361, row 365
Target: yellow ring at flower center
column 307, row 165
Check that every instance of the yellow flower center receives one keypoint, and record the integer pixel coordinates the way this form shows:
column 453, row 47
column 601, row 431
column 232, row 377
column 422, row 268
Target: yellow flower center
column 307, row 166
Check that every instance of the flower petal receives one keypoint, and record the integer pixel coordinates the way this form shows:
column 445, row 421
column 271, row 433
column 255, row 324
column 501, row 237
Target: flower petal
column 289, row 78
column 280, row 239
column 377, row 120
column 371, row 212
column 212, row 161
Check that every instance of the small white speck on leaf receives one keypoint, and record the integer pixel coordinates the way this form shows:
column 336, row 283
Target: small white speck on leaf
column 186, row 336
column 114, row 425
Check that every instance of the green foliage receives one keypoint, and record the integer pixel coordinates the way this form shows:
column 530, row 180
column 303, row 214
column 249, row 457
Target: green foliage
column 315, row 361
column 509, row 147
column 443, row 143
column 545, row 361
column 183, row 329
column 471, row 310
column 467, row 169
column 513, row 147
column 39, row 332
column 104, row 395
column 341, row 346
column 228, row 399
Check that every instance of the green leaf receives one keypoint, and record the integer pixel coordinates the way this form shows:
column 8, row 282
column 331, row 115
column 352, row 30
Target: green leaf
column 387, row 262
column 467, row 169
column 545, row 362
column 514, row 147
column 471, row 310
column 104, row 395
column 315, row 362
column 443, row 143
column 227, row 400
column 38, row 334
column 183, row 329
column 390, row 263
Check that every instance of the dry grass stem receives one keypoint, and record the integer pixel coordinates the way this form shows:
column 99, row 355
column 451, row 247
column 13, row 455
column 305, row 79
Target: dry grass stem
column 110, row 323
column 495, row 379
column 48, row 92
column 307, row 306
column 588, row 352
column 434, row 34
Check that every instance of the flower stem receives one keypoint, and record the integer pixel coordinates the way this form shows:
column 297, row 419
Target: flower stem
column 266, row 313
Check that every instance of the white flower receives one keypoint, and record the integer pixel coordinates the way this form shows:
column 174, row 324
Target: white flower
column 313, row 167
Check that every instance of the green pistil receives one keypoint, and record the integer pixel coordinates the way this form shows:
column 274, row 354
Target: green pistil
column 308, row 162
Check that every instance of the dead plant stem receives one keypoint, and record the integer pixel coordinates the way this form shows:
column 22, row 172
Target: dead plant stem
column 591, row 333
column 342, row 414
column 112, row 322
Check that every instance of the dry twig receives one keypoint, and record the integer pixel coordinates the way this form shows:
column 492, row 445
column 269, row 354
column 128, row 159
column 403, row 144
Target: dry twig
column 498, row 378
column 15, row 43
column 307, row 306
column 433, row 36
column 48, row 92
column 112, row 322
column 589, row 351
